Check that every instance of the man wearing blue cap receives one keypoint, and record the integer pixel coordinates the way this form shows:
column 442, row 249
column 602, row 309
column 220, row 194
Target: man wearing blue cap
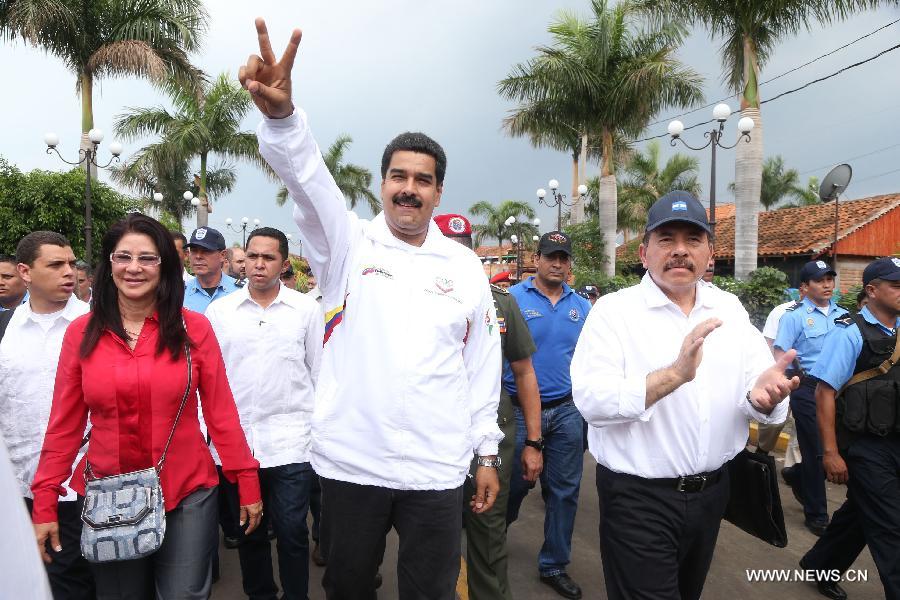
column 859, row 424
column 207, row 256
column 803, row 328
column 667, row 374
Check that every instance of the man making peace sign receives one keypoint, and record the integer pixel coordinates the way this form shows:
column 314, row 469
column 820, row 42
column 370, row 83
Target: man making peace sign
column 409, row 382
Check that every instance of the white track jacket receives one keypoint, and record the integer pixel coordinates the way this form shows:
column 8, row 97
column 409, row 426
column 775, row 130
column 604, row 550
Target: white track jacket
column 410, row 377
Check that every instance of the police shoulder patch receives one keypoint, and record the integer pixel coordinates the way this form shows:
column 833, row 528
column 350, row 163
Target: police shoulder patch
column 794, row 306
column 845, row 320
column 498, row 289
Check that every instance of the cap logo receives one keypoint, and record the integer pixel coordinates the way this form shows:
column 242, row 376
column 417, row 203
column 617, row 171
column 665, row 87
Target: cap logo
column 821, row 264
column 896, row 262
column 456, row 225
column 557, row 238
column 679, row 206
column 200, row 234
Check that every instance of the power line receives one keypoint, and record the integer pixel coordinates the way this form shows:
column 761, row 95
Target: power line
column 877, row 176
column 846, row 160
column 806, row 64
column 795, row 90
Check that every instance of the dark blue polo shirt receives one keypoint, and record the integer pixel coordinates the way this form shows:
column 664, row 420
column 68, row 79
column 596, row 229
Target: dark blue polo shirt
column 555, row 330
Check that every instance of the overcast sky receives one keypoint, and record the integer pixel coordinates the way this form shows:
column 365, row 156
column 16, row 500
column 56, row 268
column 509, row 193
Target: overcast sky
column 374, row 69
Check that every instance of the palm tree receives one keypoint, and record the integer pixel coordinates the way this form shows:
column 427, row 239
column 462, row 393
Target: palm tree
column 203, row 123
column 354, row 181
column 495, row 220
column 647, row 182
column 608, row 79
column 749, row 32
column 150, row 39
column 172, row 179
column 779, row 184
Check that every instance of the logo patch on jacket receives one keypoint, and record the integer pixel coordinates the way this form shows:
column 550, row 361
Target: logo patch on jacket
column 373, row 270
column 573, row 314
column 501, row 322
column 444, row 284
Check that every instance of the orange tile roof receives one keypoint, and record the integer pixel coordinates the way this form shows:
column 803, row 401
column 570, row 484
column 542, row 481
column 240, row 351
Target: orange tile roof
column 787, row 231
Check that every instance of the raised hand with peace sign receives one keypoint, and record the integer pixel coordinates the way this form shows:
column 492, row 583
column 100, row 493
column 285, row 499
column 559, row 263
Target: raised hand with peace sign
column 268, row 80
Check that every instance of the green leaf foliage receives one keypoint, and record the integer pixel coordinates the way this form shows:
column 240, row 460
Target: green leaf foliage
column 587, row 247
column 44, row 200
column 760, row 294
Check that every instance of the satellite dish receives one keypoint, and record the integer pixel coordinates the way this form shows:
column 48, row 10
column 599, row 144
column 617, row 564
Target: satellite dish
column 835, row 182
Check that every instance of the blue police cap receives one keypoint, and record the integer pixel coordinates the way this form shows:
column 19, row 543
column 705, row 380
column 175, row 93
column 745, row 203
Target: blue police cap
column 816, row 269
column 887, row 269
column 677, row 206
column 207, row 237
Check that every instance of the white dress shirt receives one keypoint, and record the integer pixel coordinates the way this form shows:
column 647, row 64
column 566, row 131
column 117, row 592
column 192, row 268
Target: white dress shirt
column 703, row 423
column 29, row 354
column 410, row 379
column 272, row 358
column 770, row 329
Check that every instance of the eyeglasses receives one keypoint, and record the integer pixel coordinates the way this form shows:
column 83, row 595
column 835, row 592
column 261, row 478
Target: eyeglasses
column 144, row 260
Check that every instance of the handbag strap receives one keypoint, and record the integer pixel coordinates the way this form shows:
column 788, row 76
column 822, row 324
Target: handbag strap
column 89, row 473
column 187, row 390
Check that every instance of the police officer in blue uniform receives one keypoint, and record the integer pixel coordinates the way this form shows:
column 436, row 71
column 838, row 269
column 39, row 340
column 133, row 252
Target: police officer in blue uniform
column 859, row 428
column 804, row 327
column 555, row 315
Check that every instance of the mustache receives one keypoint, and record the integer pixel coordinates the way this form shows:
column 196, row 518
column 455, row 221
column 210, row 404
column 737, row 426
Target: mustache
column 679, row 263
column 407, row 199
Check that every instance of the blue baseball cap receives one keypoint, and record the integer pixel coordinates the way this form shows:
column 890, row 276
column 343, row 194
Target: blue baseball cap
column 887, row 269
column 207, row 237
column 816, row 269
column 677, row 206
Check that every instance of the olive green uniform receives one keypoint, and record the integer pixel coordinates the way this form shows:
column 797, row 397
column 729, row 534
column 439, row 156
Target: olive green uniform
column 486, row 533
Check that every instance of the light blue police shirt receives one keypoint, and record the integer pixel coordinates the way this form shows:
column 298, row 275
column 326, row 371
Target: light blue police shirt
column 196, row 298
column 842, row 348
column 804, row 329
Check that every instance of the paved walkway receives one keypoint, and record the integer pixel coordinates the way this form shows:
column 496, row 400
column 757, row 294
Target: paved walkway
column 736, row 552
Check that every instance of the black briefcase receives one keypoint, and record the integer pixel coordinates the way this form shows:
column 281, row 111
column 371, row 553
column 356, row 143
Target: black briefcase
column 755, row 503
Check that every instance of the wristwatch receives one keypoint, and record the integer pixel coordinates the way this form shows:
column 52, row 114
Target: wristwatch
column 537, row 444
column 484, row 461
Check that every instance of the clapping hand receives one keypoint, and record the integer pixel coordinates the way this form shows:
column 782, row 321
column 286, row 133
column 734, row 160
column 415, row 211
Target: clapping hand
column 268, row 80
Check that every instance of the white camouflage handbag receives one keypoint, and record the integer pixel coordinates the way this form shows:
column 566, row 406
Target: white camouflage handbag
column 124, row 515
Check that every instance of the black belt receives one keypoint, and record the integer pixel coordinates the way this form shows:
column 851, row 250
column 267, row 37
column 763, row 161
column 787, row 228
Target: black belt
column 544, row 404
column 689, row 484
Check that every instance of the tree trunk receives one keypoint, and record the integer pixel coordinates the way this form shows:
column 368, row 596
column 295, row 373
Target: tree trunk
column 203, row 208
column 608, row 204
column 748, row 172
column 577, row 214
column 87, row 115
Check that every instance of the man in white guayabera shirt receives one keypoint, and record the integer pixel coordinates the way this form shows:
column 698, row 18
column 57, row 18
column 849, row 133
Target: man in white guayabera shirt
column 409, row 383
column 668, row 374
column 29, row 353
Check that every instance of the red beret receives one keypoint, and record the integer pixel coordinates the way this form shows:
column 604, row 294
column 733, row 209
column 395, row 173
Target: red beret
column 453, row 225
column 499, row 277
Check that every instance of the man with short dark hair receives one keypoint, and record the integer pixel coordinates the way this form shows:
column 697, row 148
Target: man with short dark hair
column 667, row 374
column 29, row 352
column 207, row 256
column 555, row 315
column 271, row 339
column 859, row 434
column 804, row 327
column 412, row 313
column 84, row 279
column 181, row 248
column 289, row 277
column 234, row 265
column 12, row 288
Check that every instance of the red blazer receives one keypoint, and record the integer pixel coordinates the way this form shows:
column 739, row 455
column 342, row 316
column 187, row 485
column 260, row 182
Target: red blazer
column 132, row 399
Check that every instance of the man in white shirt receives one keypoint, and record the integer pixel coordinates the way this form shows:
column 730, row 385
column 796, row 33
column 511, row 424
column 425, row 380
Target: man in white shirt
column 29, row 353
column 410, row 377
column 667, row 374
column 271, row 339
